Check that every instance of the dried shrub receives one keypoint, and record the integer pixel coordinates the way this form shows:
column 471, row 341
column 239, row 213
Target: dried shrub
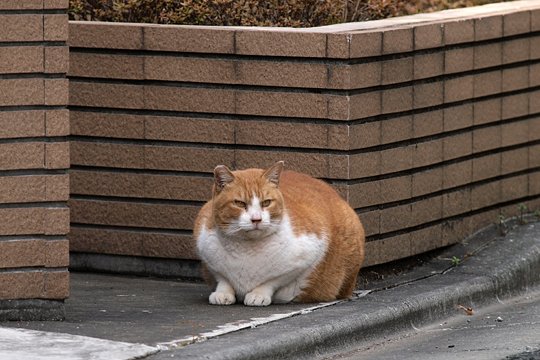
column 290, row 13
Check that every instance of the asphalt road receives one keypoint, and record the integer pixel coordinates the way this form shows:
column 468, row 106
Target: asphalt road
column 508, row 330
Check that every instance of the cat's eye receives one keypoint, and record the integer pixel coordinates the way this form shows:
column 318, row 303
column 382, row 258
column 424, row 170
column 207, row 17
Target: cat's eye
column 266, row 203
column 240, row 204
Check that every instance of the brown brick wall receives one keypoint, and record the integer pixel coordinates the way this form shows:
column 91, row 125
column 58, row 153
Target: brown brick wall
column 34, row 156
column 429, row 129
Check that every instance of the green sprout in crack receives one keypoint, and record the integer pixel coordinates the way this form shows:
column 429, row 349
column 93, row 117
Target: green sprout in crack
column 537, row 213
column 522, row 211
column 455, row 261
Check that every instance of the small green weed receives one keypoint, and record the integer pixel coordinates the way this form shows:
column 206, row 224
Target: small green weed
column 522, row 211
column 455, row 261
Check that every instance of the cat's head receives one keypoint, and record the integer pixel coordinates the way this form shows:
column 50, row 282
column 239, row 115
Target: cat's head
column 248, row 204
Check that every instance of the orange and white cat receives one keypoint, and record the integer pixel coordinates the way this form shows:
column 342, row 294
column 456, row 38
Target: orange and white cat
column 278, row 236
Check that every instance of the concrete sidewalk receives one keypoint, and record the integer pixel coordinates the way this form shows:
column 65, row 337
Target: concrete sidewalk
column 164, row 318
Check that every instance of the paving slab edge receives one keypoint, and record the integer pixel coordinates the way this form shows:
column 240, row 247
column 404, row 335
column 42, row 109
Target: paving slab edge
column 341, row 326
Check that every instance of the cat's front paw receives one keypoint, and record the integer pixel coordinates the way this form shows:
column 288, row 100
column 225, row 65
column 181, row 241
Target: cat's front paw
column 221, row 298
column 256, row 299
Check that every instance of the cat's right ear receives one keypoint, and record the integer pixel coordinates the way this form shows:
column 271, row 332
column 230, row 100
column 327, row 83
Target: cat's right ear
column 222, row 177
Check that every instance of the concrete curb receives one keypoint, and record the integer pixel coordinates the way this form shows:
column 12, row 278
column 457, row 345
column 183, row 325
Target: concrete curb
column 509, row 266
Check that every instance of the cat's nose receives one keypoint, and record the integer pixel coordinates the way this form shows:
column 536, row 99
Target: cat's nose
column 256, row 218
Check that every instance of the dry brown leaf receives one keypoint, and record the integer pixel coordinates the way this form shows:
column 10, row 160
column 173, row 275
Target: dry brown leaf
column 468, row 310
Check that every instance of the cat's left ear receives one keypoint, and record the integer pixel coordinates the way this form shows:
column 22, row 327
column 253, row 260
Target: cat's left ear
column 273, row 174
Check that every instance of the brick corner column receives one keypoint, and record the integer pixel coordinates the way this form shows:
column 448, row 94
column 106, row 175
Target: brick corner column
column 34, row 159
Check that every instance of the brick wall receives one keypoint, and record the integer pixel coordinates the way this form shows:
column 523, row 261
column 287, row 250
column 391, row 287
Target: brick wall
column 34, row 156
column 429, row 125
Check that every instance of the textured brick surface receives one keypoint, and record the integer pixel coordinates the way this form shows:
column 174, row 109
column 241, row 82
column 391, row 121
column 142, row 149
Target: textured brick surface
column 365, row 194
column 56, row 284
column 454, row 231
column 396, row 129
column 515, row 106
column 17, row 28
column 21, row 92
column 428, row 181
column 516, row 23
column 458, row 117
column 395, row 189
column 428, row 123
column 21, row 5
column 395, row 247
column 21, row 285
column 515, row 78
column 34, row 188
column 456, row 202
column 107, row 95
column 428, row 36
column 55, row 4
column 514, row 161
column 110, row 125
column 514, row 133
column 364, row 44
column 280, row 43
column 428, row 65
column 56, row 92
column 457, row 174
column 397, row 99
column 487, row 83
column 28, row 155
column 55, row 27
column 133, row 214
column 396, row 218
column 457, row 89
column 397, row 159
column 112, row 66
column 20, row 124
column 21, row 59
column 397, row 71
column 486, row 138
column 515, row 51
column 488, row 27
column 458, row 60
column 427, row 153
column 186, row 39
column 426, row 239
column 398, row 40
column 410, row 121
column 34, row 221
column 428, row 94
column 487, row 55
column 457, row 146
column 102, row 35
column 57, row 123
column 34, row 199
column 487, row 111
column 486, row 167
column 426, row 210
column 459, row 31
column 514, row 188
column 134, row 243
column 141, row 185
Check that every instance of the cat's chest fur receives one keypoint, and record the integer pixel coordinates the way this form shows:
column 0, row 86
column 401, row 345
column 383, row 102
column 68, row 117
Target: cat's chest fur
column 248, row 263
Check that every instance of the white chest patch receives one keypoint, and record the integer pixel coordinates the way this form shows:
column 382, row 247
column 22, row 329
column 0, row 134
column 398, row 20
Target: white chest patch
column 282, row 258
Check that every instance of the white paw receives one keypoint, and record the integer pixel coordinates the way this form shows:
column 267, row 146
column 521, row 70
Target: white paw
column 255, row 299
column 221, row 298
